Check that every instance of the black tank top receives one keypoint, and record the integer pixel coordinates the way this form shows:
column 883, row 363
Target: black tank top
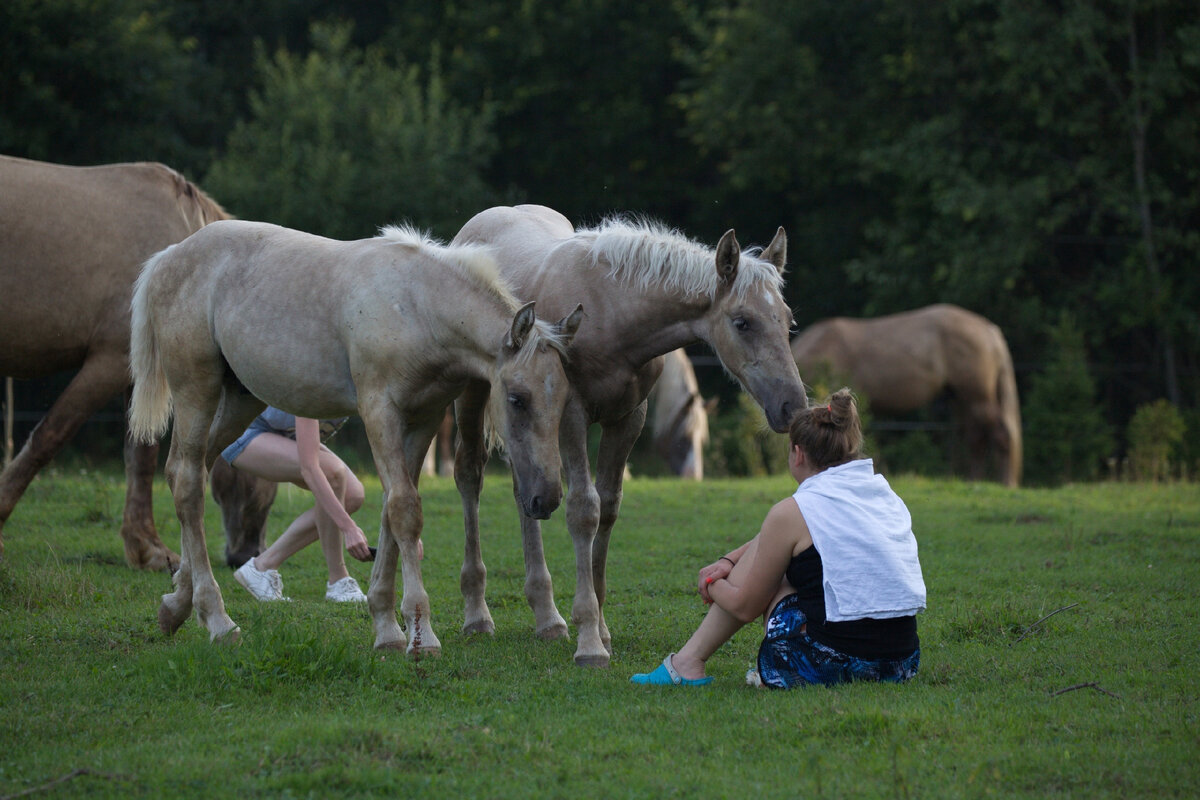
column 869, row 638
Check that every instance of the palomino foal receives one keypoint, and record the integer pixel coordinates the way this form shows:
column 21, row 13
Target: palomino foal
column 243, row 314
column 659, row 291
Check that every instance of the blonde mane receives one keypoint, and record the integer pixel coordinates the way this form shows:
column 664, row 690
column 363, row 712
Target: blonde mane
column 473, row 261
column 477, row 263
column 644, row 253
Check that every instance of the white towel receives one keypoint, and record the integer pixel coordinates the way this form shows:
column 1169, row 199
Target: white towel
column 863, row 531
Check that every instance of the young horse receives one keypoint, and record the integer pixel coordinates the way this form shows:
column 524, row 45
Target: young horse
column 89, row 229
column 243, row 314
column 660, row 291
column 904, row 361
column 679, row 417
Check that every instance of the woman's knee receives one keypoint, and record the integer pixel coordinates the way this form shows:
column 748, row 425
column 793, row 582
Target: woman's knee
column 355, row 493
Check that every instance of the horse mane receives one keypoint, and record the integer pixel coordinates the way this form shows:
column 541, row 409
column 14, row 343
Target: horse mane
column 476, row 262
column 645, row 253
column 198, row 208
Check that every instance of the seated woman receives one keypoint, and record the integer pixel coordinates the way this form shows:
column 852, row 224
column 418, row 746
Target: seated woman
column 833, row 572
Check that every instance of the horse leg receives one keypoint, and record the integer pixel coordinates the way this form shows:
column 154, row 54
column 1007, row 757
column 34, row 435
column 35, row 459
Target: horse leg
column 143, row 547
column 583, row 517
column 469, row 462
column 402, row 523
column 100, row 378
column 194, row 582
column 616, row 442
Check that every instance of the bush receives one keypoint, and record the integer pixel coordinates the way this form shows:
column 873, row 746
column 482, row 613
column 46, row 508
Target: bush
column 1066, row 438
column 1155, row 434
column 742, row 444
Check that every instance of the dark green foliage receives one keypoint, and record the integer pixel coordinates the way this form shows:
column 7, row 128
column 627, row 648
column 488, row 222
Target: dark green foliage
column 1015, row 158
column 1154, row 437
column 1066, row 438
column 342, row 141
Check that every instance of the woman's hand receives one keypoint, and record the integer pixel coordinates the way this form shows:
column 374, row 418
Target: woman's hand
column 356, row 542
column 713, row 572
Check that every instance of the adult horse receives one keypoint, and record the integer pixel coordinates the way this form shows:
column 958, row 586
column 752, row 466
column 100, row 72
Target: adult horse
column 904, row 361
column 658, row 291
column 72, row 240
column 679, row 417
column 242, row 315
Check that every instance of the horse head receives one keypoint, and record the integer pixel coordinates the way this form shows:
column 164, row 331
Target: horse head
column 529, row 393
column 748, row 324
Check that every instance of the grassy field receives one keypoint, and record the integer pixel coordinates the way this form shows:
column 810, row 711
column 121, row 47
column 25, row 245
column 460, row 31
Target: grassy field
column 1059, row 659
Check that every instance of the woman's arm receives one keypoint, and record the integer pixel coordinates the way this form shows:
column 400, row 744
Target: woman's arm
column 308, row 443
column 762, row 562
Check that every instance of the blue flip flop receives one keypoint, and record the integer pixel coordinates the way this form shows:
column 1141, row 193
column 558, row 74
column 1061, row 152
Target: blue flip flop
column 665, row 675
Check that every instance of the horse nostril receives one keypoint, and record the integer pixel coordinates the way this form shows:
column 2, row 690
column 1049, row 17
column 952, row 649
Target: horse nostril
column 535, row 507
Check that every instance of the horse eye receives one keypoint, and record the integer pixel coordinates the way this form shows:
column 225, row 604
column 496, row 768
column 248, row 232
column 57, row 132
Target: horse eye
column 742, row 324
column 516, row 401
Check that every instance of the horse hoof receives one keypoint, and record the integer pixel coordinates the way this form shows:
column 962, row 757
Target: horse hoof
column 485, row 626
column 230, row 638
column 553, row 632
column 395, row 644
column 168, row 623
column 598, row 661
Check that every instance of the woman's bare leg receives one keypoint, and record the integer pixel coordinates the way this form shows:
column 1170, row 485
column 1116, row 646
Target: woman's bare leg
column 718, row 625
column 276, row 458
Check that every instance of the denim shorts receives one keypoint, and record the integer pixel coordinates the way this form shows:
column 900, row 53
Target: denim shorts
column 789, row 657
column 259, row 425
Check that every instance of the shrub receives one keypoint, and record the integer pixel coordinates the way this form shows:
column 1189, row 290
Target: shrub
column 1066, row 438
column 1155, row 433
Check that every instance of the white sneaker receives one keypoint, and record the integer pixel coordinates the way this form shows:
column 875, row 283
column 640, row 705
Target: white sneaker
column 345, row 591
column 263, row 585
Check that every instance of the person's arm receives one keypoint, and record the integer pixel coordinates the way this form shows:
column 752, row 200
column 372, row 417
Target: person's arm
column 783, row 533
column 308, row 443
column 717, row 570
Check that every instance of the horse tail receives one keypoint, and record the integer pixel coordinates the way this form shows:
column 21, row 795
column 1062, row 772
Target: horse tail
column 1010, row 411
column 150, row 406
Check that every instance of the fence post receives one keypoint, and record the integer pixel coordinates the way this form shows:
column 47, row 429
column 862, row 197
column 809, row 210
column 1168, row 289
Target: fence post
column 8, row 420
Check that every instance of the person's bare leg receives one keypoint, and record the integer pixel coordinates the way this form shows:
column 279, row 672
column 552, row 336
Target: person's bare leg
column 276, row 458
column 718, row 625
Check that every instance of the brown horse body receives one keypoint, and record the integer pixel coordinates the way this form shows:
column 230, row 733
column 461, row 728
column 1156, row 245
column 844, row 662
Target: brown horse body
column 903, row 362
column 72, row 240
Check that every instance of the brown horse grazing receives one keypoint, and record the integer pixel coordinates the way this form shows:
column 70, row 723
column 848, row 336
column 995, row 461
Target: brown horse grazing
column 242, row 314
column 72, row 240
column 904, row 361
column 679, row 417
column 659, row 291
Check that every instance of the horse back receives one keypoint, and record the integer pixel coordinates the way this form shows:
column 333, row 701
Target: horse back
column 90, row 229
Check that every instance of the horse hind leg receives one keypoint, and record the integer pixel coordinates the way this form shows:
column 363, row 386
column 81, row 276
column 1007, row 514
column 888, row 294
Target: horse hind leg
column 195, row 585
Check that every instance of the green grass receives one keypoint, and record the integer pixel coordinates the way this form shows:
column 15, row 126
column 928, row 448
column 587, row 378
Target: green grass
column 94, row 697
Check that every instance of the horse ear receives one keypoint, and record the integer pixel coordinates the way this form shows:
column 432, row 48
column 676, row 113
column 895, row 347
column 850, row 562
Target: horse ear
column 776, row 252
column 728, row 255
column 569, row 324
column 522, row 325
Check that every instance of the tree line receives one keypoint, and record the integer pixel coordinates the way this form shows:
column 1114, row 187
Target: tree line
column 1036, row 162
